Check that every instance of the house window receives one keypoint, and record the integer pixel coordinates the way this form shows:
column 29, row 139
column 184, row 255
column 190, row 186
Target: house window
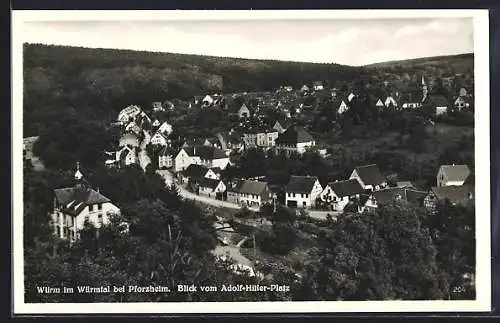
column 306, row 195
column 87, row 219
column 303, row 204
column 293, row 194
column 91, row 208
column 99, row 206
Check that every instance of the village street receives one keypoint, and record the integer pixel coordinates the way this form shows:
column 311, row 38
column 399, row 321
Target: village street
column 170, row 179
column 144, row 159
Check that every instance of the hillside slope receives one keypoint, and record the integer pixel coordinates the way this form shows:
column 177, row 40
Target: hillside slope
column 463, row 63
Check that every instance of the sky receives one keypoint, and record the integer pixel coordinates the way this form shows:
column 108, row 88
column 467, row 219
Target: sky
column 343, row 41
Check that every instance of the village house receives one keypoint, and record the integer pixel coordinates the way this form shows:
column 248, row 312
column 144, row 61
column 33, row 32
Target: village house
column 393, row 194
column 302, row 191
column 165, row 128
column 342, row 107
column 461, row 103
column 439, row 103
column 390, row 102
column 126, row 156
column 338, row 194
column 449, row 175
column 369, row 177
column 260, row 138
column 282, row 125
column 411, row 105
column 156, row 123
column 295, row 139
column 244, row 112
column 133, row 128
column 207, row 101
column 194, row 173
column 201, row 155
column 456, row 195
column 158, row 106
column 169, row 105
column 379, row 104
column 304, row 89
column 77, row 205
column 166, row 158
column 318, row 86
column 128, row 113
column 252, row 194
column 160, row 138
column 213, row 188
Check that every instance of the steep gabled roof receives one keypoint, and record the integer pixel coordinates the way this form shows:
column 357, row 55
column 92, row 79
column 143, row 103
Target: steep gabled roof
column 284, row 123
column 195, row 171
column 205, row 152
column 438, row 100
column 249, row 187
column 370, row 174
column 74, row 199
column 209, row 182
column 348, row 187
column 455, row 194
column 455, row 173
column 401, row 193
column 300, row 184
column 294, row 135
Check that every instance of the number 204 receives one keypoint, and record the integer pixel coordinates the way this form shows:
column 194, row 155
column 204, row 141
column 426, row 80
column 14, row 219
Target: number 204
column 458, row 289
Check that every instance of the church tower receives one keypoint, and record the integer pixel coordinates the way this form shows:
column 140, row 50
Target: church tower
column 80, row 181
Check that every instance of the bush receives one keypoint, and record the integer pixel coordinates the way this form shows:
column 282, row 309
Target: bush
column 280, row 241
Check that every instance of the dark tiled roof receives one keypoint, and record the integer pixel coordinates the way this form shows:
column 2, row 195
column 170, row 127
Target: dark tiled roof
column 300, row 184
column 206, row 152
column 75, row 199
column 209, row 182
column 455, row 194
column 370, row 174
column 405, row 194
column 455, row 172
column 194, row 141
column 294, row 135
column 249, row 187
column 195, row 171
column 388, row 194
column 166, row 151
column 349, row 187
column 439, row 100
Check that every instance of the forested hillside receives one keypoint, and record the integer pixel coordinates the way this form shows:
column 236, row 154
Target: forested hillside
column 99, row 82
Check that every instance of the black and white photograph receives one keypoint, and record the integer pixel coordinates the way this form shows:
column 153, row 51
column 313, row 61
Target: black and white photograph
column 251, row 161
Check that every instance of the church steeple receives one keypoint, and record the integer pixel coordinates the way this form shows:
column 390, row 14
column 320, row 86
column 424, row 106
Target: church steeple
column 78, row 174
